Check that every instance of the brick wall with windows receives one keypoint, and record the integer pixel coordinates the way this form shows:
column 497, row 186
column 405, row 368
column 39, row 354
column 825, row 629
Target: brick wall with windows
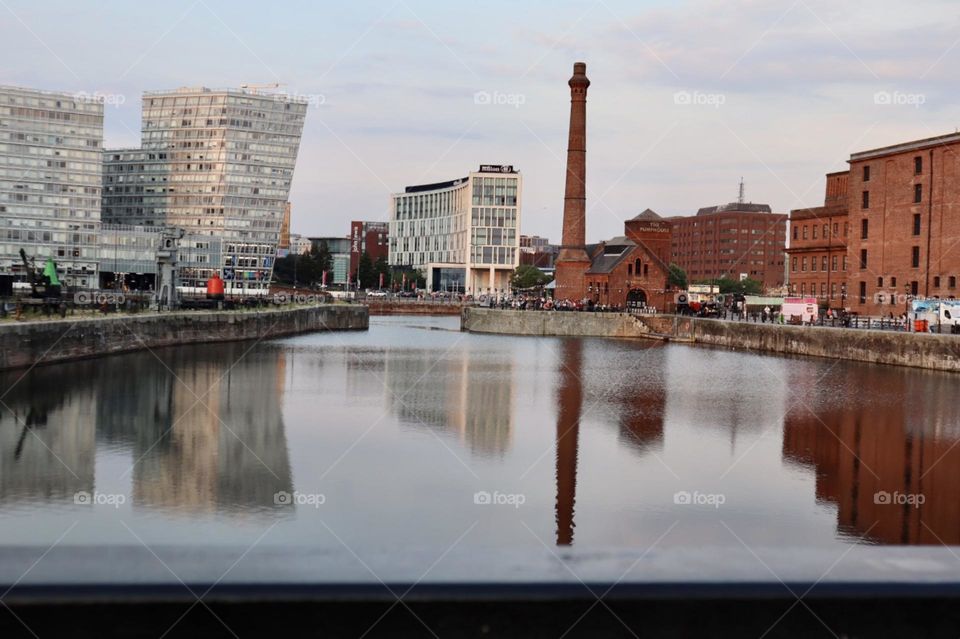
column 816, row 256
column 909, row 210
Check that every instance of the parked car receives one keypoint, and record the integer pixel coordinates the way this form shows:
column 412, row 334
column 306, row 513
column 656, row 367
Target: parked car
column 377, row 294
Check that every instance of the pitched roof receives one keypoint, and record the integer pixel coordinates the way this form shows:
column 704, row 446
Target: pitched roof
column 604, row 261
column 648, row 214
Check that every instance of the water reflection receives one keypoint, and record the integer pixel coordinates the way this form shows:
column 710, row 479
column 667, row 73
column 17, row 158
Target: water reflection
column 40, row 458
column 890, row 464
column 467, row 393
column 218, row 431
column 198, row 432
column 569, row 406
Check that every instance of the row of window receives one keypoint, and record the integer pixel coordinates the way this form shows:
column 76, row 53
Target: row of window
column 815, row 229
column 914, row 257
column 818, row 263
column 917, row 196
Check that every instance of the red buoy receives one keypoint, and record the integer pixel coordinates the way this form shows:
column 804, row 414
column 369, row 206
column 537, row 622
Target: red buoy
column 215, row 288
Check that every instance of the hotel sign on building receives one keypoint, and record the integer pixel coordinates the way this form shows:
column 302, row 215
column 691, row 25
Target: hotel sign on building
column 461, row 234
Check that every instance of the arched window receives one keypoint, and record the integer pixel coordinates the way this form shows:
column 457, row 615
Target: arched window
column 636, row 266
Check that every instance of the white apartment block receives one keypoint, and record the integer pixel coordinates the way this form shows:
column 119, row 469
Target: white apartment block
column 462, row 234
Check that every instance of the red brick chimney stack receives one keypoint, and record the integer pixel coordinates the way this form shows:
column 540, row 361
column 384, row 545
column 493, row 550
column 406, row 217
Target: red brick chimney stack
column 573, row 260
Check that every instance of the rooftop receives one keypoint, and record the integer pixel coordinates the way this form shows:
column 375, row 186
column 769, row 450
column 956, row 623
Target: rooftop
column 735, row 207
column 915, row 145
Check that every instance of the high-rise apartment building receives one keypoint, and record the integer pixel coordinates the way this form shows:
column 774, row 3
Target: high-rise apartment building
column 215, row 162
column 50, row 180
column 462, row 234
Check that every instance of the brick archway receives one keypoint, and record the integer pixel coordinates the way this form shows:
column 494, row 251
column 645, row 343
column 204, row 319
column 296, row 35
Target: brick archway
column 636, row 298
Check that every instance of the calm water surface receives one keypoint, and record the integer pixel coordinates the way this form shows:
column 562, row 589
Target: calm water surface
column 399, row 431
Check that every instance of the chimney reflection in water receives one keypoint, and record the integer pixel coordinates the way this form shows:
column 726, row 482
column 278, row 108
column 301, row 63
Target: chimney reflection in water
column 569, row 402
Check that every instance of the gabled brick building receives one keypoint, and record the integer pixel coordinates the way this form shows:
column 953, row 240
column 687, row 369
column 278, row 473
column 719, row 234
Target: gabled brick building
column 632, row 271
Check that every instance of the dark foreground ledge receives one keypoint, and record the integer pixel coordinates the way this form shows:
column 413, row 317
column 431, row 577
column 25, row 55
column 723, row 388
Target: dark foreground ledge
column 130, row 592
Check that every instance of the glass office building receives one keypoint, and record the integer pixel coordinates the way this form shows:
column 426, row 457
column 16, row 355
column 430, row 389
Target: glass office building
column 462, row 234
column 50, row 180
column 217, row 163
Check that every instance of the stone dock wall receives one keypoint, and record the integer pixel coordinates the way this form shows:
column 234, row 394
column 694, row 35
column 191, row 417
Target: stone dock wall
column 920, row 350
column 24, row 344
column 391, row 307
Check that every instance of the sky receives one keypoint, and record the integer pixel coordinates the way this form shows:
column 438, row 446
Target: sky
column 686, row 97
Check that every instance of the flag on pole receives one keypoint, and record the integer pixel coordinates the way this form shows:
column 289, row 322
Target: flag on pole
column 381, row 280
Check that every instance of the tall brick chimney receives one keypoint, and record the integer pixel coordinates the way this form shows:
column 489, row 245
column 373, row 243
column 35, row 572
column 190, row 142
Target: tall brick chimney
column 573, row 260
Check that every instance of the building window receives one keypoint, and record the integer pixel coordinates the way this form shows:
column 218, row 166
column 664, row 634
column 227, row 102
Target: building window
column 917, row 193
column 952, row 281
column 916, row 224
column 804, row 232
column 796, row 231
column 833, row 290
column 813, row 263
column 915, row 257
column 794, row 269
column 917, row 165
column 844, row 262
column 629, row 269
column 826, row 230
column 823, row 289
column 803, row 265
column 936, row 281
column 864, row 228
column 914, row 288
column 803, row 289
column 863, row 292
column 814, row 231
column 833, row 265
column 880, row 282
column 835, row 229
column 866, row 173
column 865, row 200
column 863, row 258
column 823, row 263
column 893, row 282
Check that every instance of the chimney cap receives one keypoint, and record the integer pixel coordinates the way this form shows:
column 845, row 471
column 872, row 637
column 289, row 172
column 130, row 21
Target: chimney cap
column 580, row 68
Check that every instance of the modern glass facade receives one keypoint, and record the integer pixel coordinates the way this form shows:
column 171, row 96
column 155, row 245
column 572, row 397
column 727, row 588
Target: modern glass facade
column 216, row 163
column 50, row 180
column 472, row 222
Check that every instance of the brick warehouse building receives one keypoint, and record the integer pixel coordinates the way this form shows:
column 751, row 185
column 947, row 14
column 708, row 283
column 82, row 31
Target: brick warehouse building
column 904, row 203
column 730, row 240
column 817, row 256
column 901, row 205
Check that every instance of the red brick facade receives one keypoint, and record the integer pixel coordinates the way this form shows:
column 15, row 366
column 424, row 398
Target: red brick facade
column 904, row 206
column 817, row 257
column 632, row 271
column 729, row 240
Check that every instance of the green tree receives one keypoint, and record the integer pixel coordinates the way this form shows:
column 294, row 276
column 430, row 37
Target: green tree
column 677, row 277
column 365, row 273
column 527, row 276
